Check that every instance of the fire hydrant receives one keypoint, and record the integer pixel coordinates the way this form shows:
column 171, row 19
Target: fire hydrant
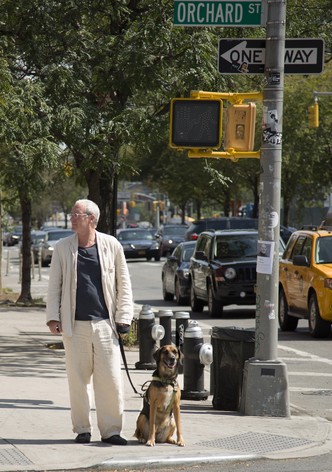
column 197, row 355
column 148, row 334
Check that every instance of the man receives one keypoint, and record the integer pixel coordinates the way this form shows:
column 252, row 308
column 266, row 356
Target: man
column 89, row 301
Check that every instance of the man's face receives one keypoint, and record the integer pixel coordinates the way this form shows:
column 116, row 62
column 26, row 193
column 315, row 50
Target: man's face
column 80, row 220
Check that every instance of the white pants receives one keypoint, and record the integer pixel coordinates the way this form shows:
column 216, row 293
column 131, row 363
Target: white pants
column 93, row 351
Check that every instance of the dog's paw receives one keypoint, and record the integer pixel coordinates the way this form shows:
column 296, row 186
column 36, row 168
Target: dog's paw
column 180, row 442
column 150, row 442
column 170, row 440
column 141, row 440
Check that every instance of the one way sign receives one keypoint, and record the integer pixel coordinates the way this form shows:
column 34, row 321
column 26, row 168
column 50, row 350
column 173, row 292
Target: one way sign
column 302, row 56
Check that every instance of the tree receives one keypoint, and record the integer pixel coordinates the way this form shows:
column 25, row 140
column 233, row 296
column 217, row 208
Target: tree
column 26, row 151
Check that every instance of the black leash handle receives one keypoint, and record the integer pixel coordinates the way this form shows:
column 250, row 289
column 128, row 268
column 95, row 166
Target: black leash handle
column 126, row 365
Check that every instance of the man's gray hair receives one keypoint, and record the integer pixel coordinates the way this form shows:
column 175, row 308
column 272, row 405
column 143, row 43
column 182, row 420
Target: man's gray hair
column 91, row 208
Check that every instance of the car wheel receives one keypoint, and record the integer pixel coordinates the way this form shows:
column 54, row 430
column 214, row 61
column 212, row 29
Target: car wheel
column 179, row 299
column 286, row 322
column 167, row 296
column 318, row 327
column 157, row 258
column 196, row 304
column 148, row 258
column 215, row 307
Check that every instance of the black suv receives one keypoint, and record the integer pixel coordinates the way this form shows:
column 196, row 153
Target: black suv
column 230, row 222
column 223, row 270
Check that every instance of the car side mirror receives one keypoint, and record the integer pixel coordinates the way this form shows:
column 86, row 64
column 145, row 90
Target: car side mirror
column 200, row 255
column 301, row 261
column 172, row 258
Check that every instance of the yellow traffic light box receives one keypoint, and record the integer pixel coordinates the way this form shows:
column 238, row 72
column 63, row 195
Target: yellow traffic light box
column 240, row 127
column 195, row 123
column 313, row 115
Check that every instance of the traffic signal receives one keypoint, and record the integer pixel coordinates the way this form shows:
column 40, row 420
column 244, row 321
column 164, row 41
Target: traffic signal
column 313, row 114
column 240, row 127
column 195, row 123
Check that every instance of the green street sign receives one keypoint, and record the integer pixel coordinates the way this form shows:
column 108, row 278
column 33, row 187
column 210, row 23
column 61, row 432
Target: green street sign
column 219, row 13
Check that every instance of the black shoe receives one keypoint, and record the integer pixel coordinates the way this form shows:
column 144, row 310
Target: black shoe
column 116, row 440
column 83, row 438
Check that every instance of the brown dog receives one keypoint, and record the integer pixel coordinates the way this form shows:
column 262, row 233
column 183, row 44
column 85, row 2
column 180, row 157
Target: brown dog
column 160, row 416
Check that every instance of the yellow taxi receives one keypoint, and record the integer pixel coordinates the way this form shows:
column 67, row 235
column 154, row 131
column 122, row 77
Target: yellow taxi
column 305, row 281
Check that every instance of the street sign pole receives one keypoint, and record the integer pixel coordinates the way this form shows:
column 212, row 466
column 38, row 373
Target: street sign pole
column 265, row 385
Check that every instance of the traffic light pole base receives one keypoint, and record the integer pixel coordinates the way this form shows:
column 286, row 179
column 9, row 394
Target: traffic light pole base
column 265, row 389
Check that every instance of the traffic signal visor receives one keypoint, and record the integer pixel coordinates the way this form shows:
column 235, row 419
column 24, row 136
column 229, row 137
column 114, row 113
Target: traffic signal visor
column 240, row 127
column 195, row 123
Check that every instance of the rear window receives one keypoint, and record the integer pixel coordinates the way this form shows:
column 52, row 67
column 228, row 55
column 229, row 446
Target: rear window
column 235, row 246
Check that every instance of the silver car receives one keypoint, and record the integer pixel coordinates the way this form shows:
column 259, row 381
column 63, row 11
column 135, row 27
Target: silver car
column 51, row 239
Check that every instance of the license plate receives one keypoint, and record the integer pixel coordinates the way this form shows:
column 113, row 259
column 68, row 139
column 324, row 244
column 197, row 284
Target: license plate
column 141, row 253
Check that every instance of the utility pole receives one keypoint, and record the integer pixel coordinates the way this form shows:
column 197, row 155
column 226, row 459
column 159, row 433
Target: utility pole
column 265, row 385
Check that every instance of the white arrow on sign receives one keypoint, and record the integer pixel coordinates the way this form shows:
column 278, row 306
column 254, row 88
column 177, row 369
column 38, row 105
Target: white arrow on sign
column 242, row 54
column 239, row 54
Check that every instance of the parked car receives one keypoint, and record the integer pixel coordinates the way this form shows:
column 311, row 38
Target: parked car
column 37, row 239
column 50, row 240
column 139, row 243
column 13, row 237
column 305, row 282
column 169, row 236
column 232, row 222
column 222, row 270
column 175, row 273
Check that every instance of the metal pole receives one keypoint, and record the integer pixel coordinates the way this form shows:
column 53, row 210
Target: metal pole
column 265, row 377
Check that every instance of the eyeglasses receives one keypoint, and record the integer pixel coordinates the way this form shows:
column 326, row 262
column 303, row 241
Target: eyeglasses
column 77, row 215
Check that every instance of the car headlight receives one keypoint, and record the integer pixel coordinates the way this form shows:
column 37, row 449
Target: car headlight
column 155, row 245
column 126, row 246
column 230, row 273
column 185, row 273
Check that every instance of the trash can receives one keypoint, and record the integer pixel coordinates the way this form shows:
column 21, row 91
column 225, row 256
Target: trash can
column 231, row 348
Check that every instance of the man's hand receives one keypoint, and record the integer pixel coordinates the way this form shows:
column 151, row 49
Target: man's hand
column 122, row 328
column 55, row 327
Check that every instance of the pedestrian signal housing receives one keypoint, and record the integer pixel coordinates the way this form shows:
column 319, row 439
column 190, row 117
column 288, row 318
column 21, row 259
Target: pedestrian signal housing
column 195, row 123
column 240, row 127
column 313, row 115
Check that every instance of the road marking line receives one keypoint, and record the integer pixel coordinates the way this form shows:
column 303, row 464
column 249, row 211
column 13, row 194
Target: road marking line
column 303, row 354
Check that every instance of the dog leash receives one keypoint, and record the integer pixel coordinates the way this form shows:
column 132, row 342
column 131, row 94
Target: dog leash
column 126, row 365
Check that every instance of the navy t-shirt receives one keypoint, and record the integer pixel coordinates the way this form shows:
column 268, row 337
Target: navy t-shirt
column 90, row 302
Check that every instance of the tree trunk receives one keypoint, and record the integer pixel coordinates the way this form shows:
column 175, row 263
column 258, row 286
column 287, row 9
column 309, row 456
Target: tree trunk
column 198, row 209
column 25, row 296
column 101, row 191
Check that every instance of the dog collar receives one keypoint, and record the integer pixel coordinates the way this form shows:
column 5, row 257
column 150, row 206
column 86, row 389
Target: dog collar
column 173, row 383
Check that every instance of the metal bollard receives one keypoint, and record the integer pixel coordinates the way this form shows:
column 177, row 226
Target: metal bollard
column 181, row 324
column 197, row 355
column 148, row 334
column 165, row 319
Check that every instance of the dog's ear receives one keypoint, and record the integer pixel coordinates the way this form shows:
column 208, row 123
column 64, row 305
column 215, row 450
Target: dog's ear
column 156, row 355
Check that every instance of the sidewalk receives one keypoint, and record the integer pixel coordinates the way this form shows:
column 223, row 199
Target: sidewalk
column 35, row 427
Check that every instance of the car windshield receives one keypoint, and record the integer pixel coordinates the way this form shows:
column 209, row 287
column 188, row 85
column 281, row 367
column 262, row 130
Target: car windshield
column 55, row 235
column 187, row 253
column 137, row 235
column 175, row 231
column 324, row 250
column 235, row 246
